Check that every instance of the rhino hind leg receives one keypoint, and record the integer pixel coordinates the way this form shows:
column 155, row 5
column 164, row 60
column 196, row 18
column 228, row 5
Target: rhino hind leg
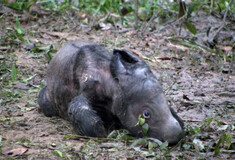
column 84, row 119
column 45, row 105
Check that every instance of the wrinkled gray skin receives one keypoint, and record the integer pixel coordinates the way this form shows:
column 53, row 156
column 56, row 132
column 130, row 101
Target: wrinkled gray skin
column 99, row 91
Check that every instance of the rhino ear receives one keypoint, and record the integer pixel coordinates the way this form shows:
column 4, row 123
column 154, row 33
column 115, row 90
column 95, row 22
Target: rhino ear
column 122, row 61
column 126, row 56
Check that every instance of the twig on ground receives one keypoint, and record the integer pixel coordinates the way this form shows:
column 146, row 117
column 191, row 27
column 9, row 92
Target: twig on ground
column 169, row 88
column 136, row 14
column 212, row 37
column 144, row 27
column 171, row 23
column 191, row 120
column 122, row 31
column 161, row 8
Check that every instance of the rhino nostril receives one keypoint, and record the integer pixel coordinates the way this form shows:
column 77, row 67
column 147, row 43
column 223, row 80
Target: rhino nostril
column 176, row 123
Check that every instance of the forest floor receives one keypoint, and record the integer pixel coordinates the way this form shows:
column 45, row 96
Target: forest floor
column 199, row 83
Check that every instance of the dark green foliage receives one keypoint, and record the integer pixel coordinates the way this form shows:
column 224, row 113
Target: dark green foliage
column 190, row 27
column 19, row 4
column 144, row 126
column 224, row 139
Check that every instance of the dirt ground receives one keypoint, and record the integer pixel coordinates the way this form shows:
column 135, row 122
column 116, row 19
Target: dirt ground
column 199, row 83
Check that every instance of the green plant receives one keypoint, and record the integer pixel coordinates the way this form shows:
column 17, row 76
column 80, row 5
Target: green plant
column 144, row 126
column 14, row 72
column 196, row 129
column 58, row 153
column 224, row 139
column 19, row 31
column 120, row 135
column 19, row 4
column 23, row 141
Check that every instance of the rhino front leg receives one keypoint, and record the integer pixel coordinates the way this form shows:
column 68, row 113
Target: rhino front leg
column 84, row 119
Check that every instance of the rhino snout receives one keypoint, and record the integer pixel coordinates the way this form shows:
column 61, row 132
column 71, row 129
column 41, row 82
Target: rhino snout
column 173, row 132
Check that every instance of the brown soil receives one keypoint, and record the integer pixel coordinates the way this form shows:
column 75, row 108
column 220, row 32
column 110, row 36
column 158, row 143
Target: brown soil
column 199, row 85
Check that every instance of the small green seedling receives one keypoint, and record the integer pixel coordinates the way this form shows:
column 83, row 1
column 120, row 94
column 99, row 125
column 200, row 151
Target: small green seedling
column 14, row 72
column 19, row 31
column 224, row 139
column 58, row 153
column 145, row 126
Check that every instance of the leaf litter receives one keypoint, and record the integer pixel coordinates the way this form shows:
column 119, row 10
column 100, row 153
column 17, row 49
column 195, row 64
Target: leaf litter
column 196, row 85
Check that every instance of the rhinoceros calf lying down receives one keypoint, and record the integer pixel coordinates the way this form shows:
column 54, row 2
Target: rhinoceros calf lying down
column 98, row 91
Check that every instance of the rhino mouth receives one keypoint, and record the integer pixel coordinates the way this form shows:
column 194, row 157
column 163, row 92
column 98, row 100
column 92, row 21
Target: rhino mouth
column 172, row 131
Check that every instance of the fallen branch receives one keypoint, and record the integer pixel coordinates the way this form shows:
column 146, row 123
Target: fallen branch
column 212, row 37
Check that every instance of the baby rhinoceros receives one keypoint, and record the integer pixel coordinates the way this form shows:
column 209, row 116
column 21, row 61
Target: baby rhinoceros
column 98, row 91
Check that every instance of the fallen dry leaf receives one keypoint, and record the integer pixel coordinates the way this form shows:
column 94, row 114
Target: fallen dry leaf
column 136, row 54
column 183, row 48
column 35, row 9
column 114, row 15
column 225, row 48
column 21, row 85
column 15, row 152
column 151, row 39
column 58, row 34
column 4, row 48
column 81, row 15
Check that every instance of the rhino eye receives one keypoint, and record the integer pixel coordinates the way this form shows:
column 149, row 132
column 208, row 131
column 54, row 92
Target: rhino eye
column 146, row 114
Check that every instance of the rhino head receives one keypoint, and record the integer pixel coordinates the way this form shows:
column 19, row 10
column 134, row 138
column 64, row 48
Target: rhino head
column 142, row 95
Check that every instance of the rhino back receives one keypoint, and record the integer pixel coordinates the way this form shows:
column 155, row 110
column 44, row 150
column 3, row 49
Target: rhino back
column 73, row 65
